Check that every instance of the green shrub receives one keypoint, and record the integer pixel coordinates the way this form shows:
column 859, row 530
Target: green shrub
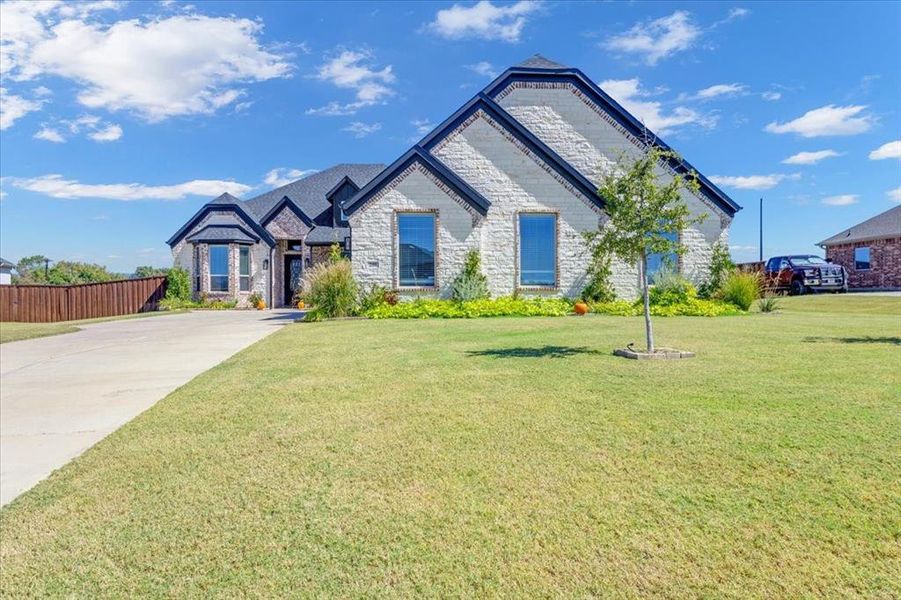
column 721, row 266
column 692, row 307
column 331, row 289
column 178, row 285
column 470, row 284
column 670, row 287
column 768, row 303
column 498, row 307
column 598, row 288
column 178, row 304
column 376, row 295
column 741, row 289
column 255, row 299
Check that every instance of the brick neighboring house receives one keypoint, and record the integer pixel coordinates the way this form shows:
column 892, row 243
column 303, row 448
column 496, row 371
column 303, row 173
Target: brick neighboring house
column 513, row 174
column 870, row 251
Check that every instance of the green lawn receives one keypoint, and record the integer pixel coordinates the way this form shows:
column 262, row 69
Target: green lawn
column 511, row 457
column 13, row 332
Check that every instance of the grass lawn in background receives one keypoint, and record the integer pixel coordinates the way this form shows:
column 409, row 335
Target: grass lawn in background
column 13, row 331
column 507, row 456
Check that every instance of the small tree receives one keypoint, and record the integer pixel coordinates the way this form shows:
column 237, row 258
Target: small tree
column 642, row 210
column 471, row 283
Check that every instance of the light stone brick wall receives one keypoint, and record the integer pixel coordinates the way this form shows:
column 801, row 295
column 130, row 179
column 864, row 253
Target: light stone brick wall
column 183, row 257
column 579, row 132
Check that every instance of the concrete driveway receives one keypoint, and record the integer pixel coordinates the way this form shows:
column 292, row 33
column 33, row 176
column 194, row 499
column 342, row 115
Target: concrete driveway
column 60, row 395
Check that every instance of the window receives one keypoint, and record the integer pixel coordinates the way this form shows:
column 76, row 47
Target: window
column 655, row 261
column 244, row 268
column 416, row 249
column 537, row 250
column 218, row 268
column 862, row 258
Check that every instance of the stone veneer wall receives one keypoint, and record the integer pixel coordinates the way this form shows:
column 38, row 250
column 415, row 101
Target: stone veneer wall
column 584, row 135
column 283, row 227
column 885, row 263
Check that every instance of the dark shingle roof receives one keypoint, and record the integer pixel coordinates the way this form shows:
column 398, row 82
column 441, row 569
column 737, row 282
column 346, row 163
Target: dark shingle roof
column 309, row 193
column 223, row 233
column 883, row 225
column 539, row 62
column 5, row 263
column 325, row 236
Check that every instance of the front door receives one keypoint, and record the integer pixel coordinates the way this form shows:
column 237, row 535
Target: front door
column 293, row 271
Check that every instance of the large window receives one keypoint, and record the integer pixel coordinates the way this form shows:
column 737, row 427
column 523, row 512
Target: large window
column 218, row 268
column 656, row 261
column 537, row 250
column 244, row 268
column 416, row 249
column 862, row 259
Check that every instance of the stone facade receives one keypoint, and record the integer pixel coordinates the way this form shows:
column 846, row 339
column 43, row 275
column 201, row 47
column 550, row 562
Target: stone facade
column 515, row 180
column 885, row 263
column 285, row 226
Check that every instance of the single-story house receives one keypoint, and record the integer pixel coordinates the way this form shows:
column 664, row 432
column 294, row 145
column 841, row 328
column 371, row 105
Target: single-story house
column 513, row 174
column 6, row 271
column 870, row 251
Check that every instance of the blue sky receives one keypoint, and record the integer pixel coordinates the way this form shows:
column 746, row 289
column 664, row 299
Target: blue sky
column 120, row 119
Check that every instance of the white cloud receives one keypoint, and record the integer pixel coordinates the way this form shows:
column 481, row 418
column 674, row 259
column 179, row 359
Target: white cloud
column 895, row 194
column 483, row 68
column 423, row 126
column 49, row 134
column 361, row 130
column 889, row 150
column 720, row 89
column 13, row 108
column 110, row 133
column 809, row 158
column 771, row 96
column 629, row 93
column 483, row 20
column 842, row 200
column 657, row 39
column 826, row 120
column 56, row 186
column 751, row 182
column 349, row 71
column 159, row 68
column 280, row 176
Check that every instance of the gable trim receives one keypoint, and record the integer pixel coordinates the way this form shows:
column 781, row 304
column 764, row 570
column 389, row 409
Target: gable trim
column 409, row 160
column 532, row 146
column 213, row 207
column 275, row 210
column 344, row 180
column 621, row 117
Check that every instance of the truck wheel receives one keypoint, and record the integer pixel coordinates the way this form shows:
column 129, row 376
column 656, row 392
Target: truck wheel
column 797, row 288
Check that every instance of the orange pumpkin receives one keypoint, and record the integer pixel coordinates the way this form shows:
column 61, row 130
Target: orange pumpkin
column 301, row 305
column 261, row 305
column 580, row 308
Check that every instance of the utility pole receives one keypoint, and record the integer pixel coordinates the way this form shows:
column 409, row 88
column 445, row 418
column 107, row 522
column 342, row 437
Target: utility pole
column 46, row 269
column 761, row 230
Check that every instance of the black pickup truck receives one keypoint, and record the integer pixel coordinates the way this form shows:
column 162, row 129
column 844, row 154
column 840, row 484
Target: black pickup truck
column 802, row 274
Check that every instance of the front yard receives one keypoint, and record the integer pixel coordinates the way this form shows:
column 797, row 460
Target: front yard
column 500, row 456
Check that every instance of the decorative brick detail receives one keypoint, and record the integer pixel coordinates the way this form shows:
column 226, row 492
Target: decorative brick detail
column 885, row 263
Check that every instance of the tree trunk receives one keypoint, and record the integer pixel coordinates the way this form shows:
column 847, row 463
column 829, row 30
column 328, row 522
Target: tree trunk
column 649, row 330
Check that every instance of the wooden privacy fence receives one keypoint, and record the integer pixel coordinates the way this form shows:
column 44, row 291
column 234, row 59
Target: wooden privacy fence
column 50, row 303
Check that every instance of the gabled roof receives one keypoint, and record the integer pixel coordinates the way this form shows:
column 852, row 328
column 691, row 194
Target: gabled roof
column 434, row 166
column 226, row 203
column 537, row 61
column 526, row 137
column 541, row 69
column 223, row 234
column 310, row 194
column 344, row 181
column 326, row 236
column 277, row 208
column 884, row 225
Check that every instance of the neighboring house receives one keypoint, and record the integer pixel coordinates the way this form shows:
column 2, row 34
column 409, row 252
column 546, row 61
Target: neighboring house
column 513, row 174
column 870, row 251
column 232, row 247
column 6, row 270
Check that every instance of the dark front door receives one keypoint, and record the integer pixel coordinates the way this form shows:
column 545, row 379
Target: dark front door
column 293, row 271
